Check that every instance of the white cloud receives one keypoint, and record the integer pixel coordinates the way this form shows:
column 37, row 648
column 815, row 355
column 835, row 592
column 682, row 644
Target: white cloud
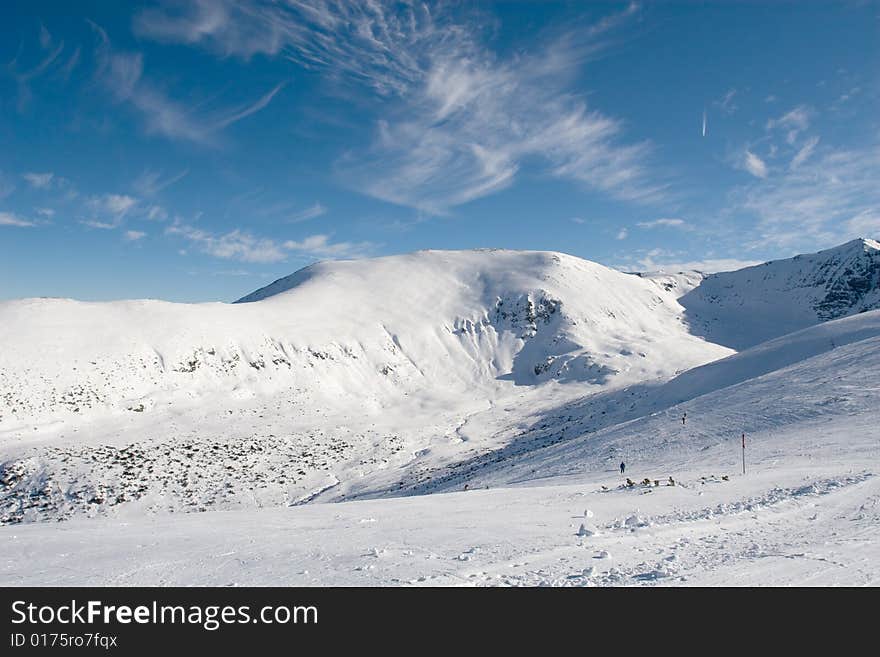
column 793, row 122
column 39, row 180
column 116, row 205
column 311, row 212
column 122, row 75
column 865, row 224
column 320, row 246
column 156, row 213
column 665, row 223
column 108, row 210
column 24, row 76
column 798, row 118
column 578, row 220
column 45, row 212
column 100, row 225
column 707, row 266
column 134, row 235
column 846, row 97
column 246, row 247
column 232, row 272
column 725, row 103
column 622, row 234
column 804, row 153
column 754, row 165
column 236, row 115
column 820, row 202
column 234, row 245
column 460, row 121
column 9, row 219
column 150, row 183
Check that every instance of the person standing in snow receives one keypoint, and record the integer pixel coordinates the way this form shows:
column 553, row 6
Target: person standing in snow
column 622, row 467
column 684, row 418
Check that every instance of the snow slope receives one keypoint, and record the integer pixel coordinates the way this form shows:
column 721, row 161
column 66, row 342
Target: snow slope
column 369, row 329
column 742, row 308
column 821, row 380
column 465, row 412
column 327, row 385
column 807, row 512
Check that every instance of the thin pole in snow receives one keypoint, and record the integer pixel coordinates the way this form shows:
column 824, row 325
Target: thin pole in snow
column 744, row 453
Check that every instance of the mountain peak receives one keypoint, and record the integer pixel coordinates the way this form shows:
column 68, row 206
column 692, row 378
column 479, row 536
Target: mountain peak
column 493, row 263
column 858, row 245
column 868, row 244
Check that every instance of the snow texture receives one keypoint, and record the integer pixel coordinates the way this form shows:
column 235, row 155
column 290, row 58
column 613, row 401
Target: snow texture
column 452, row 418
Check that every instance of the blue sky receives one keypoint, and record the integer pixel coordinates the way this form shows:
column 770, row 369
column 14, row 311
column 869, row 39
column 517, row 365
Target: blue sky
column 195, row 151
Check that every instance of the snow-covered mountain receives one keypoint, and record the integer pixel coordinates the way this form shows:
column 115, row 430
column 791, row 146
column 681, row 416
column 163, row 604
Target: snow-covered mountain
column 745, row 307
column 402, row 375
column 371, row 329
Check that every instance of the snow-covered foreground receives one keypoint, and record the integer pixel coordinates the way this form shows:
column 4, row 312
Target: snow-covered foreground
column 807, row 511
column 805, row 523
column 451, row 419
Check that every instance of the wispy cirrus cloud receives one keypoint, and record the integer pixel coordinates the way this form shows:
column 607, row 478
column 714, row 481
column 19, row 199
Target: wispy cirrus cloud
column 792, row 122
column 321, row 246
column 116, row 205
column 122, row 74
column 312, row 212
column 244, row 246
column 725, row 103
column 706, row 266
column 665, row 223
column 754, row 165
column 830, row 197
column 156, row 213
column 10, row 219
column 663, row 260
column 50, row 60
column 234, row 245
column 865, row 224
column 804, row 153
column 39, row 180
column 149, row 183
column 108, row 211
column 459, row 121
